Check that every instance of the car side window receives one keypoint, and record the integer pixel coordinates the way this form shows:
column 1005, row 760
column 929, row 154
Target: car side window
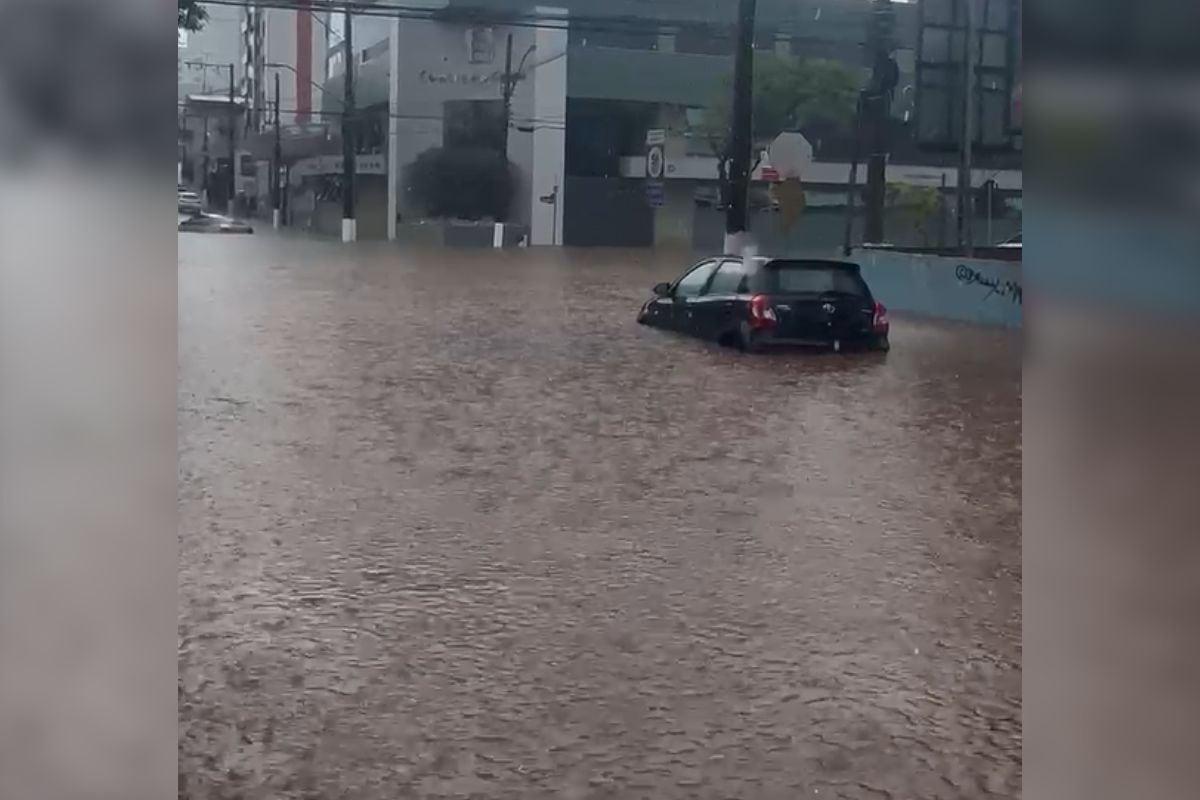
column 730, row 279
column 690, row 285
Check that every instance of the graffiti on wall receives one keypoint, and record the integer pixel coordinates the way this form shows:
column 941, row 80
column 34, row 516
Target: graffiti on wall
column 1003, row 289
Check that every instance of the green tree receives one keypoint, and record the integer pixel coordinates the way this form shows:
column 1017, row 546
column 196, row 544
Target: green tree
column 192, row 15
column 816, row 96
column 461, row 183
column 922, row 203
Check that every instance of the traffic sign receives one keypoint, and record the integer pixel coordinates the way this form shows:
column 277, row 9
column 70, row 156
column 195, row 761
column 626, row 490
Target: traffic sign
column 654, row 162
column 656, row 136
column 654, row 194
column 790, row 154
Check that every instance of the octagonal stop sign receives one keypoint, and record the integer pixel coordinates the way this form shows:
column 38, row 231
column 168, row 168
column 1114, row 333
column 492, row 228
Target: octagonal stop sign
column 790, row 154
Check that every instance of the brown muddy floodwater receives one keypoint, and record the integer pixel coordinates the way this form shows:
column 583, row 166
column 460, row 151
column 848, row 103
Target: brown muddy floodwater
column 454, row 526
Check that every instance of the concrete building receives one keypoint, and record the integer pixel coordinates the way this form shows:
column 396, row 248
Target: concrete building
column 204, row 56
column 205, row 60
column 590, row 78
column 291, row 44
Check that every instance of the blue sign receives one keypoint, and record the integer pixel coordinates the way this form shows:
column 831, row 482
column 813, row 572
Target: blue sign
column 654, row 194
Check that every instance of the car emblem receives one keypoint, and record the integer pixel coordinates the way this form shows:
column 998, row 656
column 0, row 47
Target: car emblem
column 828, row 308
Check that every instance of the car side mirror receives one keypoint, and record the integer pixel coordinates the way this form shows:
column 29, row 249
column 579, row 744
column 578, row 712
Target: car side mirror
column 662, row 289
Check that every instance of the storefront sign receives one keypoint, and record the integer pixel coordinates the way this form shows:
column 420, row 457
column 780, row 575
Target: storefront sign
column 364, row 163
column 466, row 78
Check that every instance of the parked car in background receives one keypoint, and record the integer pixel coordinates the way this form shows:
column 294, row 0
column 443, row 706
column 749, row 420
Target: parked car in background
column 213, row 223
column 189, row 202
column 758, row 303
column 1014, row 242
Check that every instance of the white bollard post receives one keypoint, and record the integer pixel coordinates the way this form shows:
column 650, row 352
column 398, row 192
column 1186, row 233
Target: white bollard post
column 349, row 230
column 498, row 235
column 276, row 218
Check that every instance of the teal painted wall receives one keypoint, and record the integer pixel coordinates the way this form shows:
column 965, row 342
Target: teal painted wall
column 964, row 289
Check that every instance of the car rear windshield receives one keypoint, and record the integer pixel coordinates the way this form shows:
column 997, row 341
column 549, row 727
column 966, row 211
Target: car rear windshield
column 806, row 278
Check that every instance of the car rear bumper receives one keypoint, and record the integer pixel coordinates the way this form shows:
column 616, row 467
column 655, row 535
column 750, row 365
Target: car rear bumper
column 768, row 340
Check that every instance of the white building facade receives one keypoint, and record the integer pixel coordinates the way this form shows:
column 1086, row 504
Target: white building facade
column 291, row 44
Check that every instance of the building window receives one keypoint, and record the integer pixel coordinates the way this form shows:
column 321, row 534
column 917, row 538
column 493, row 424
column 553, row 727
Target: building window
column 336, row 61
column 708, row 40
column 481, row 45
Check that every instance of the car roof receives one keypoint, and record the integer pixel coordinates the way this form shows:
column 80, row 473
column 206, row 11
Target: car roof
column 811, row 263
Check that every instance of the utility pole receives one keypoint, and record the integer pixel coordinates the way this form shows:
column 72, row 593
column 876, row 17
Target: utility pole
column 393, row 170
column 508, row 86
column 507, row 94
column 349, row 224
column 942, row 213
column 506, row 91
column 232, row 144
column 204, row 183
column 852, row 179
column 741, row 137
column 277, row 166
column 204, row 188
column 966, row 233
column 884, row 77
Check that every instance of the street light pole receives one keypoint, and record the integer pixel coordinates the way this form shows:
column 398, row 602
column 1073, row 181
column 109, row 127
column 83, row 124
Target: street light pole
column 349, row 225
column 291, row 69
column 277, row 166
column 741, row 138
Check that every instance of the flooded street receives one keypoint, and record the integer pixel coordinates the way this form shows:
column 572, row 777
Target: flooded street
column 454, row 526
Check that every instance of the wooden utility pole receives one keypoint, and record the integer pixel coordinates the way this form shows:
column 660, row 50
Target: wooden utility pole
column 741, row 140
column 349, row 225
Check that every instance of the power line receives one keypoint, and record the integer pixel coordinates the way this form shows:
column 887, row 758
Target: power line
column 393, row 10
column 573, row 22
column 587, row 23
column 368, row 114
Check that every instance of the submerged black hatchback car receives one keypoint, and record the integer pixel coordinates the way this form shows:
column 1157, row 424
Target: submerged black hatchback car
column 756, row 303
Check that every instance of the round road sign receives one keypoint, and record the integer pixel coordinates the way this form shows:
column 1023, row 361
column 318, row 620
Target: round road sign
column 654, row 162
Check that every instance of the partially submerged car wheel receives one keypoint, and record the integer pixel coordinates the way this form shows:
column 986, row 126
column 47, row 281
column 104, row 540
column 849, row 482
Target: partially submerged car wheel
column 747, row 342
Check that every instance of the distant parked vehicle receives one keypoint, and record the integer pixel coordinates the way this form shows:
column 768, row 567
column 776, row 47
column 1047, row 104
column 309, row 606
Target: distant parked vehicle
column 189, row 202
column 1014, row 242
column 758, row 303
column 213, row 223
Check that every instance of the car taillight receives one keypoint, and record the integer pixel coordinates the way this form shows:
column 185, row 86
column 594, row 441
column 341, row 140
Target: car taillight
column 880, row 321
column 761, row 313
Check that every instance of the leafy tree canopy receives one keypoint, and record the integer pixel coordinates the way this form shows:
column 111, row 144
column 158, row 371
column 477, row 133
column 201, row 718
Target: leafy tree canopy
column 470, row 183
column 814, row 95
column 192, row 15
